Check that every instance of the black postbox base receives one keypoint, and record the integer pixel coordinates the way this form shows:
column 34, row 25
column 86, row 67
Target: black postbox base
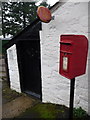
column 72, row 85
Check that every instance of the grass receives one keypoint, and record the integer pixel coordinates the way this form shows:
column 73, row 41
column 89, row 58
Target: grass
column 79, row 113
column 53, row 111
column 46, row 111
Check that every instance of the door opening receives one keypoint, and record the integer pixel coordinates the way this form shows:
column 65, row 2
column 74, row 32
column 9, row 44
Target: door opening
column 30, row 66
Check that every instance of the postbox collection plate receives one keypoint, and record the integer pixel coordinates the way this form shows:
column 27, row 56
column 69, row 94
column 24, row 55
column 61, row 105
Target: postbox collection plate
column 65, row 63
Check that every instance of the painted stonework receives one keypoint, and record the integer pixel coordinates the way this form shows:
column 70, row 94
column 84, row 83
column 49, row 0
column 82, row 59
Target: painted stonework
column 70, row 18
column 13, row 68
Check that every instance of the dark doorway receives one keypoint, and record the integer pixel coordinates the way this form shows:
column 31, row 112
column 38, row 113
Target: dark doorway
column 30, row 66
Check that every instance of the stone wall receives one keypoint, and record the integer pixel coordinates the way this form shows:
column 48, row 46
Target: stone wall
column 0, row 86
column 0, row 19
column 70, row 18
column 3, row 76
column 2, row 68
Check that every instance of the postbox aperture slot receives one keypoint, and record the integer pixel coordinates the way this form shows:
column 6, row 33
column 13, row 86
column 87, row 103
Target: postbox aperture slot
column 65, row 43
column 65, row 52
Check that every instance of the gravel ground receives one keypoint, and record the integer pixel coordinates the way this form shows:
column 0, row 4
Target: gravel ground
column 13, row 103
column 17, row 106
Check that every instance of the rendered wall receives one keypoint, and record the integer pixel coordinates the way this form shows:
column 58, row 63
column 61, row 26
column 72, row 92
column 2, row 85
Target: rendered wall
column 13, row 69
column 70, row 18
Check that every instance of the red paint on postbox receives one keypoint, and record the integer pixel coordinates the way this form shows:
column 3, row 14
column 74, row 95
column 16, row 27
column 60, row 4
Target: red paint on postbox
column 73, row 55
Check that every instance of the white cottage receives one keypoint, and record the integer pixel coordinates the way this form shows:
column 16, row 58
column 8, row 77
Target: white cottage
column 68, row 18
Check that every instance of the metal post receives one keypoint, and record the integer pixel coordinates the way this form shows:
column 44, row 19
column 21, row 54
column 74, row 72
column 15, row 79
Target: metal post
column 72, row 84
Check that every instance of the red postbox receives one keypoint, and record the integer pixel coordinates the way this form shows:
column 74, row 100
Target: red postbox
column 73, row 55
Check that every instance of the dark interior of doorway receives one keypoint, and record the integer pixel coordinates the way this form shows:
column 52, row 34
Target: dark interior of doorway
column 29, row 62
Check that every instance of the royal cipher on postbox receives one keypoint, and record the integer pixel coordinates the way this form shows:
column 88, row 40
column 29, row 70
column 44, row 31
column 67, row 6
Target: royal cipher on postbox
column 73, row 55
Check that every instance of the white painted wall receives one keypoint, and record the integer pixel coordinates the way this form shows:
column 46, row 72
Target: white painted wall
column 13, row 69
column 71, row 18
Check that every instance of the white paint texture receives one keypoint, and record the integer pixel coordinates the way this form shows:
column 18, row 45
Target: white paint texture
column 70, row 18
column 13, row 69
